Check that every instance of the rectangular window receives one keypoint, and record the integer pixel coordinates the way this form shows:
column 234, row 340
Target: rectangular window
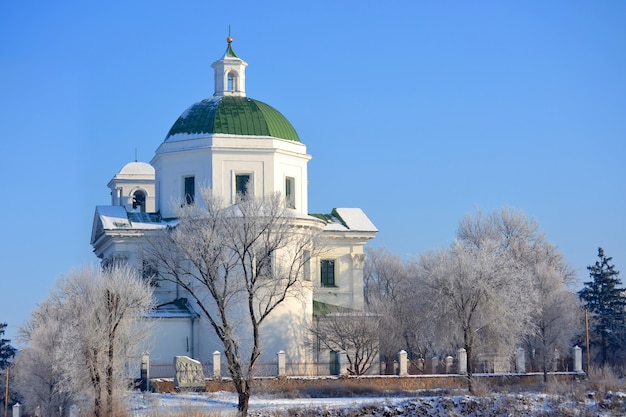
column 242, row 184
column 190, row 190
column 150, row 272
column 307, row 265
column 264, row 266
column 290, row 192
column 327, row 272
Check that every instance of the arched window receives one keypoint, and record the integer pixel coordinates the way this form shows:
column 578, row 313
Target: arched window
column 232, row 81
column 139, row 201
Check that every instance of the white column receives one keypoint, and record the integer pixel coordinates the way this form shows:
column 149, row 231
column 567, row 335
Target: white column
column 420, row 365
column 578, row 359
column 402, row 357
column 462, row 358
column 342, row 357
column 449, row 362
column 281, row 363
column 520, row 360
column 217, row 364
column 17, row 410
column 434, row 362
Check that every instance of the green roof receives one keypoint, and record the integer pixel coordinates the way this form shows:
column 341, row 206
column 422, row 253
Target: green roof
column 321, row 309
column 233, row 115
column 230, row 52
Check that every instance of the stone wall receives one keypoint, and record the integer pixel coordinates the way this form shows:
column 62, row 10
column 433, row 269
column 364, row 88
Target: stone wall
column 392, row 383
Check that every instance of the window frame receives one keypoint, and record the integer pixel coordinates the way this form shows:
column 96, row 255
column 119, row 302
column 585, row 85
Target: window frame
column 139, row 202
column 290, row 192
column 189, row 193
column 325, row 279
column 249, row 189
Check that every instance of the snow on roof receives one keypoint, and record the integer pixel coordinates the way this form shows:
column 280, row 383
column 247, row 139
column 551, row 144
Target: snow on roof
column 116, row 217
column 136, row 169
column 355, row 219
column 113, row 217
column 347, row 219
column 178, row 308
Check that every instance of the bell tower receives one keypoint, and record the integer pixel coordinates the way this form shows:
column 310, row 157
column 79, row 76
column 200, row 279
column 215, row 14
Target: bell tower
column 230, row 73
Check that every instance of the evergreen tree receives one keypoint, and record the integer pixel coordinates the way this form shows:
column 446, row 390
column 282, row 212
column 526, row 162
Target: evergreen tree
column 6, row 350
column 604, row 299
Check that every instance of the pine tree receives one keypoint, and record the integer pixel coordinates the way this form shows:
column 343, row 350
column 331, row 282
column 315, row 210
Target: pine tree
column 6, row 350
column 604, row 299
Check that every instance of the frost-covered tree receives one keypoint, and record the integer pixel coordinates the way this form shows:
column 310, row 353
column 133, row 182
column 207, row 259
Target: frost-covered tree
column 558, row 313
column 81, row 338
column 239, row 263
column 477, row 298
column 39, row 376
column 482, row 290
column 604, row 298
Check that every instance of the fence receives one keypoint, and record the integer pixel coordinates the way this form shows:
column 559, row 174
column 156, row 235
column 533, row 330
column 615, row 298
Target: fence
column 400, row 366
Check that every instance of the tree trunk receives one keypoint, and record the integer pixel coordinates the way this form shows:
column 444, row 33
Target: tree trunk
column 244, row 399
column 109, row 380
column 470, row 365
column 242, row 385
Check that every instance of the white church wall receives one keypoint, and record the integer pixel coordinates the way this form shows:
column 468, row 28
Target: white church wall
column 296, row 169
column 172, row 169
column 348, row 289
column 172, row 337
column 286, row 328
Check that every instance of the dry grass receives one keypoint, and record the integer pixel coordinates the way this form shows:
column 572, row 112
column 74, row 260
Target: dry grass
column 186, row 412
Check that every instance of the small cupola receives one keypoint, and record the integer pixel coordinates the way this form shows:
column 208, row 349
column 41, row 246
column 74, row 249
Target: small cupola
column 133, row 187
column 230, row 73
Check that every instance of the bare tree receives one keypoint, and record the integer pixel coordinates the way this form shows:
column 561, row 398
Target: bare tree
column 356, row 333
column 88, row 327
column 239, row 264
column 392, row 293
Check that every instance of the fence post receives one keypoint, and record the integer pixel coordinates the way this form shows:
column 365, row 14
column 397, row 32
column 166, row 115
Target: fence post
column 342, row 357
column 578, row 359
column 520, row 360
column 449, row 362
column 402, row 357
column 420, row 365
column 217, row 364
column 281, row 363
column 17, row 409
column 462, row 358
column 434, row 362
column 145, row 371
column 73, row 410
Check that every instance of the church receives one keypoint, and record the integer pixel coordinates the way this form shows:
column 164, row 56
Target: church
column 230, row 143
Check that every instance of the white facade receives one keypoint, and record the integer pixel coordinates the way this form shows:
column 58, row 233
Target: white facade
column 144, row 198
column 216, row 160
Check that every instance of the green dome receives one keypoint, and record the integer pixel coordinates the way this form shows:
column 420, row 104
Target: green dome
column 233, row 115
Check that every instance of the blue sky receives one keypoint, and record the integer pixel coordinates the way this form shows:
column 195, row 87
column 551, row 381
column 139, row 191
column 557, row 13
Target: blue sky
column 417, row 112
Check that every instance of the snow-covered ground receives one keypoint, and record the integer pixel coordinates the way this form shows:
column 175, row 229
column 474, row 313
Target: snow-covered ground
column 528, row 404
